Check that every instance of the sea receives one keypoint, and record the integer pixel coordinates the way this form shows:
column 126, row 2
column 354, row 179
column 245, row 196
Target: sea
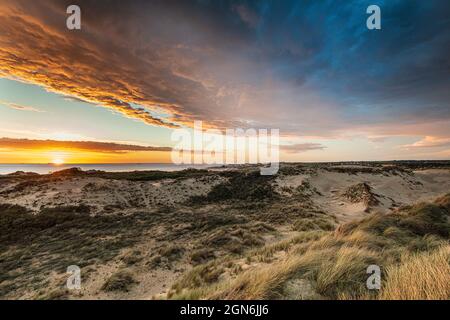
column 110, row 167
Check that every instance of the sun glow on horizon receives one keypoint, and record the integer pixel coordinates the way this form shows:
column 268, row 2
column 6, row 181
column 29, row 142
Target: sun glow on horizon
column 58, row 161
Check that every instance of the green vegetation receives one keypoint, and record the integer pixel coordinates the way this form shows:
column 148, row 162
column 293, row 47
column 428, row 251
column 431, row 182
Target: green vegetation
column 414, row 240
column 56, row 294
column 317, row 223
column 151, row 175
column 242, row 240
column 202, row 256
column 244, row 186
column 119, row 281
column 33, row 245
column 171, row 252
column 132, row 258
column 166, row 256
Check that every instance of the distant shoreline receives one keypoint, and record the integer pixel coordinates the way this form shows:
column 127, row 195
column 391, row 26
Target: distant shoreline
column 129, row 167
column 113, row 167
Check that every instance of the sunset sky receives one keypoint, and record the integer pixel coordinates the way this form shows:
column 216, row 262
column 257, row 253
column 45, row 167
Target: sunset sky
column 114, row 90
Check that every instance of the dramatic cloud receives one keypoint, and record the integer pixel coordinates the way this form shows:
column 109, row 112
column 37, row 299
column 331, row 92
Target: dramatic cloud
column 306, row 67
column 94, row 146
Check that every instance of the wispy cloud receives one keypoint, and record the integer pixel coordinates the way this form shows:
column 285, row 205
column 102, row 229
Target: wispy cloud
column 19, row 106
column 429, row 142
column 301, row 147
column 74, row 99
column 247, row 15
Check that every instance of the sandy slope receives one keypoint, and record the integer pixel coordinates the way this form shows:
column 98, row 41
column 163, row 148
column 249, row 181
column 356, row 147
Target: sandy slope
column 392, row 191
column 106, row 195
column 328, row 190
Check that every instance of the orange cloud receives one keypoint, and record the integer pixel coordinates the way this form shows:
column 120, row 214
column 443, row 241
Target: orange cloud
column 168, row 65
column 92, row 146
column 35, row 51
column 430, row 142
column 132, row 63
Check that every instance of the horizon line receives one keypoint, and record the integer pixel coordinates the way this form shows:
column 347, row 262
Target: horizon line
column 221, row 164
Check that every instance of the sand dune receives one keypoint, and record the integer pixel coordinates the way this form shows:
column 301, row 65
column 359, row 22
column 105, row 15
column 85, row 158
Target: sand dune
column 139, row 235
column 327, row 189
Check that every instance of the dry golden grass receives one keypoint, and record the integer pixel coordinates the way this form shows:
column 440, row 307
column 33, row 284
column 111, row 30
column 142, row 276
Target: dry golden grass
column 407, row 245
column 420, row 276
column 262, row 282
column 258, row 284
column 269, row 250
column 346, row 273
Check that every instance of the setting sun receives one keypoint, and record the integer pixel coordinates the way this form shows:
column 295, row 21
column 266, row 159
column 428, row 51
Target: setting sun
column 58, row 161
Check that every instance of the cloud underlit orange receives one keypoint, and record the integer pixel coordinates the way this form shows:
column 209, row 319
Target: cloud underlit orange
column 105, row 147
column 44, row 151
